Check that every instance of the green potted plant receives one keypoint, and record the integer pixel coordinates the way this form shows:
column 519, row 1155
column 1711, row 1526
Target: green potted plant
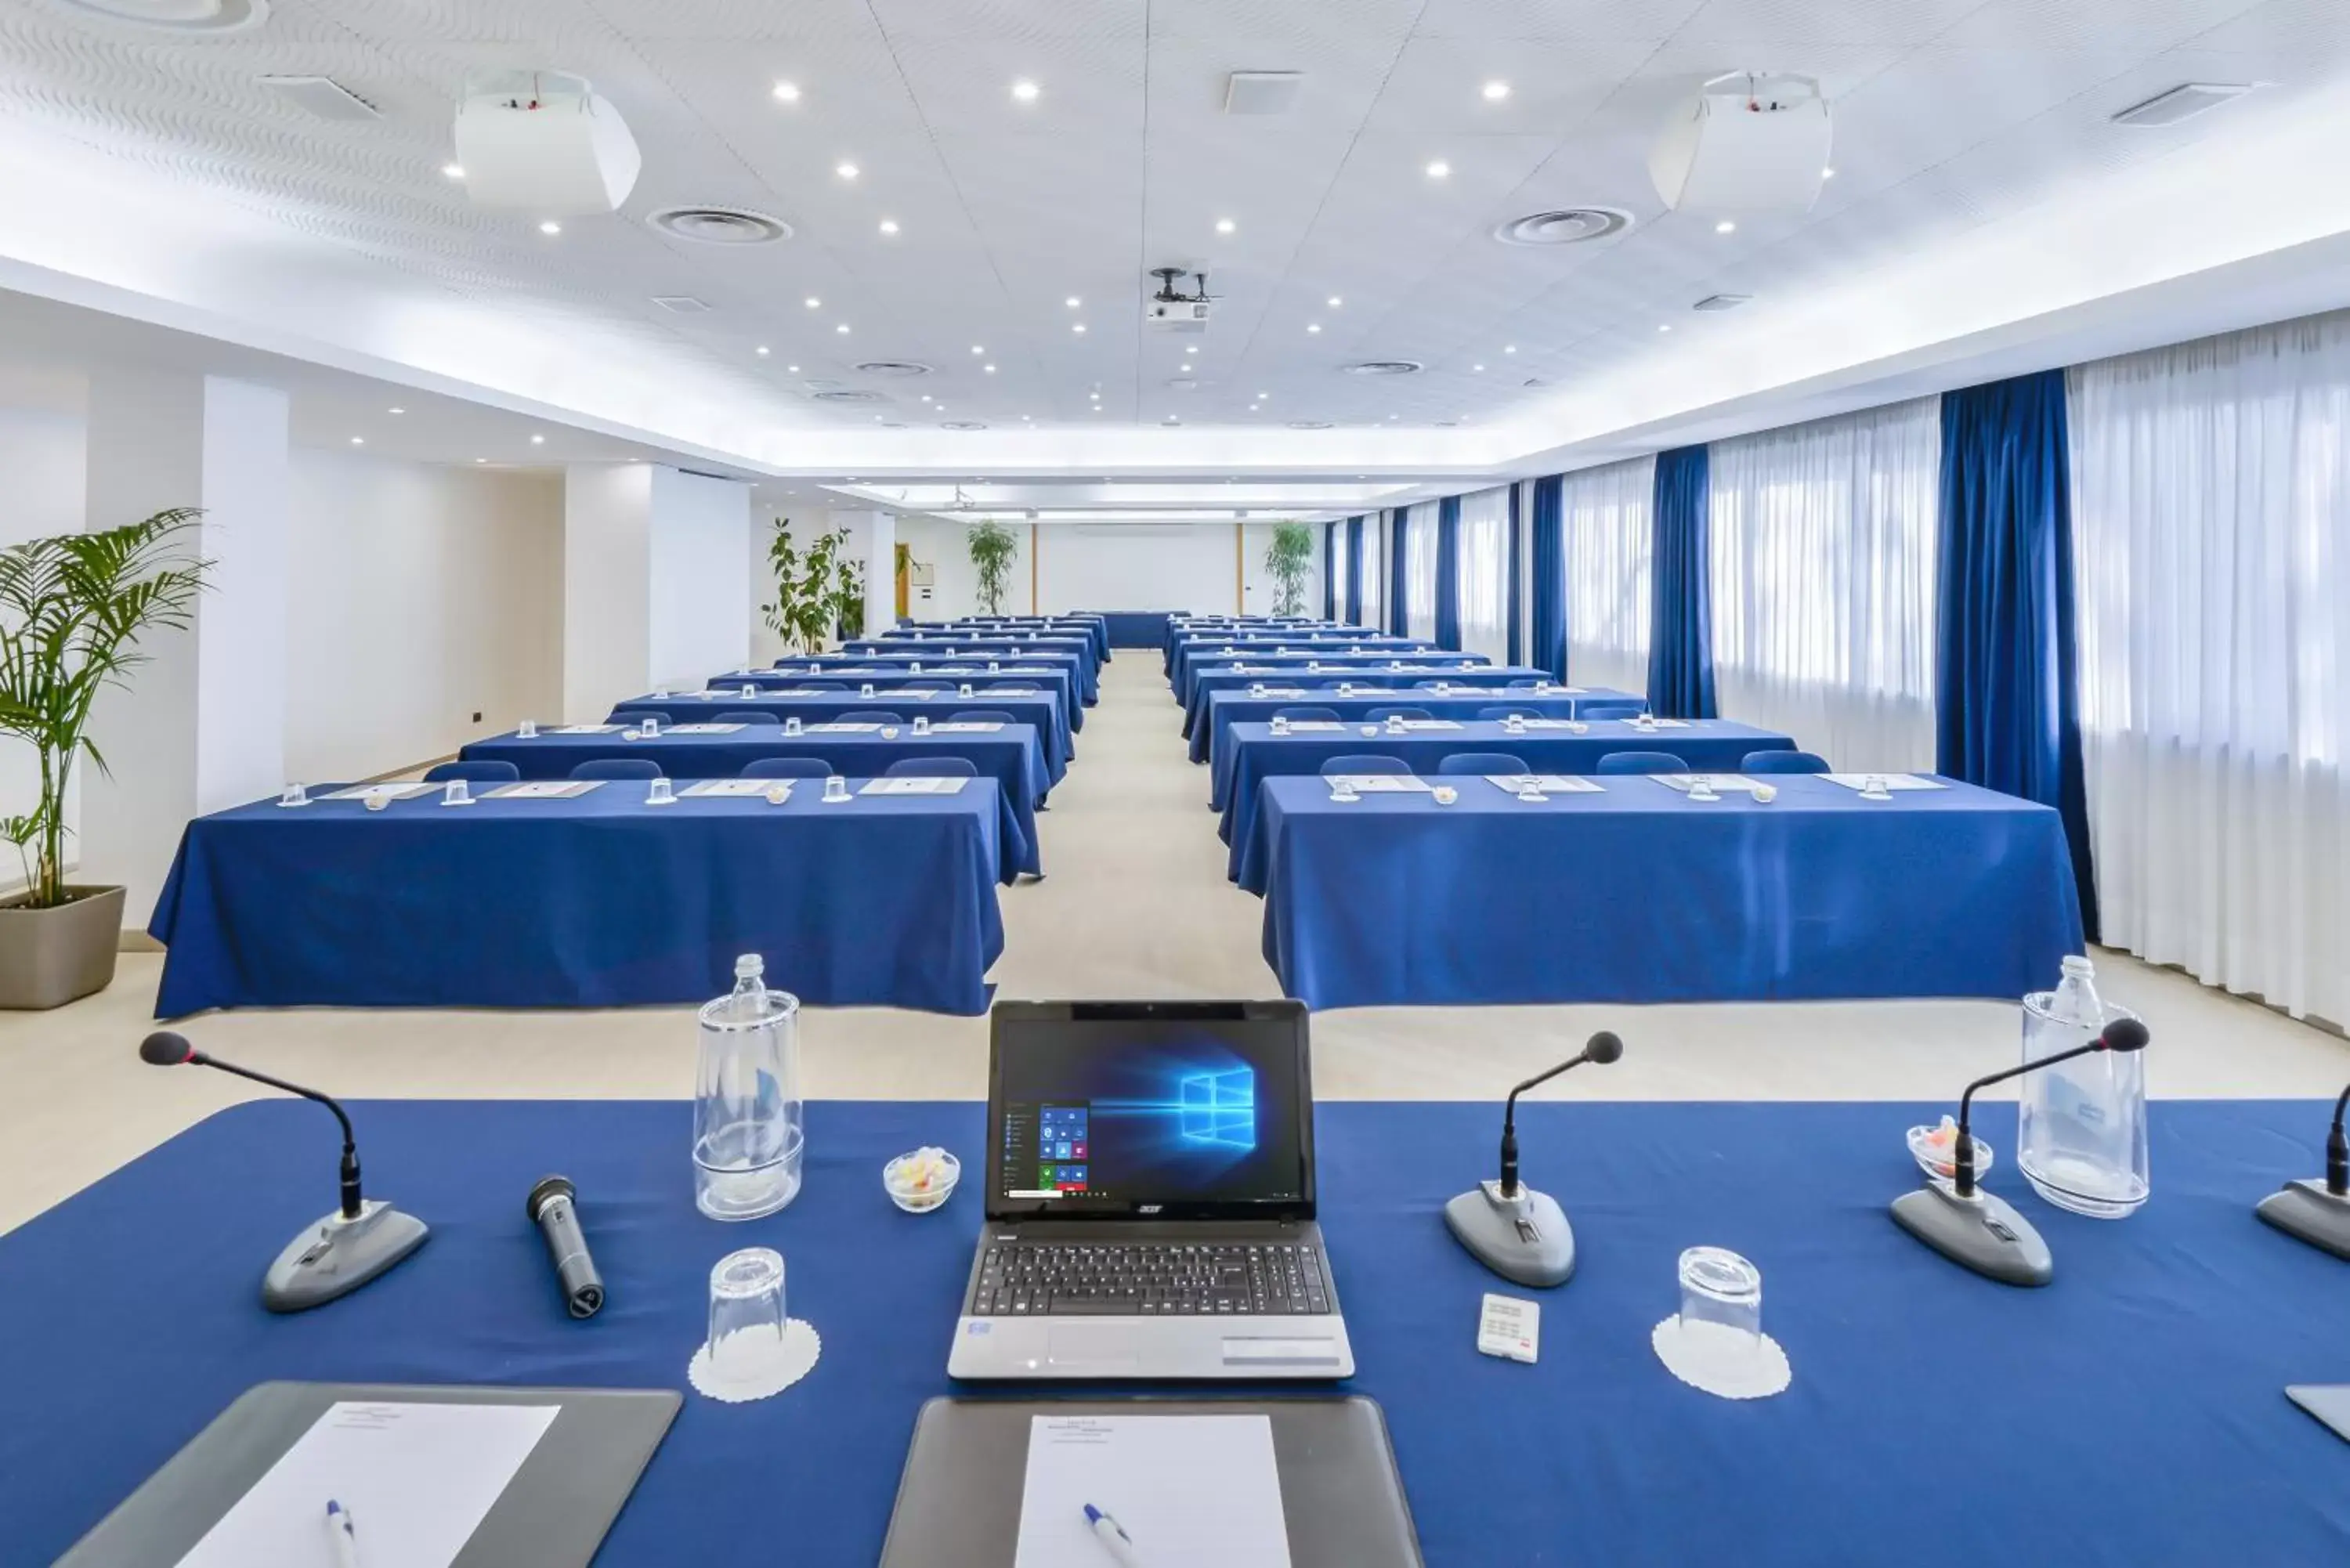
column 810, row 588
column 72, row 610
column 849, row 600
column 992, row 547
column 1288, row 559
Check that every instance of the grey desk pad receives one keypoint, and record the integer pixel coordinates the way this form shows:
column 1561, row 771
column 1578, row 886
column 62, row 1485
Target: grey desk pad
column 959, row 1497
column 2329, row 1402
column 553, row 1514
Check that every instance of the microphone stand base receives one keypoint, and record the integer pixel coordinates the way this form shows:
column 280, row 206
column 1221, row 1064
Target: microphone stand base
column 2306, row 1212
column 337, row 1256
column 1525, row 1240
column 1983, row 1233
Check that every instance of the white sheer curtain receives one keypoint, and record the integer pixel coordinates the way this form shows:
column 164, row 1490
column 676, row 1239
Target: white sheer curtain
column 1338, row 571
column 1375, row 572
column 1419, row 571
column 1481, row 574
column 1608, row 543
column 2212, row 543
column 1823, row 583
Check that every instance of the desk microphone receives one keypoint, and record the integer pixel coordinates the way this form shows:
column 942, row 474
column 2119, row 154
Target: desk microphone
column 1517, row 1232
column 2318, row 1212
column 1978, row 1230
column 338, row 1253
column 552, row 1208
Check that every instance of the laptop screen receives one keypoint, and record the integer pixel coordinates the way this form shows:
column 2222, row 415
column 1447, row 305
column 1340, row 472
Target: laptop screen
column 1149, row 1111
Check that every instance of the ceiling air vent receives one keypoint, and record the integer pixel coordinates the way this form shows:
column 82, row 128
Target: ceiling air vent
column 850, row 395
column 322, row 96
column 1565, row 226
column 1722, row 302
column 898, row 367
column 2184, row 102
column 1261, row 92
column 179, row 16
column 721, row 225
column 1309, row 424
column 1383, row 368
column 962, row 425
column 682, row 304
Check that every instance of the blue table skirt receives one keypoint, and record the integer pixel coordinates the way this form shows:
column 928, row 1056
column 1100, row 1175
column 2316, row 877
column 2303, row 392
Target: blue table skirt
column 1075, row 676
column 1212, row 736
column 1640, row 894
column 1135, row 628
column 600, row 901
column 1255, row 753
column 1219, row 677
column 1043, row 710
column 2129, row 1415
column 1012, row 756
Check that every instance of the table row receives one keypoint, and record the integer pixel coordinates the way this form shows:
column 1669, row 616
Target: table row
column 1212, row 736
column 811, row 705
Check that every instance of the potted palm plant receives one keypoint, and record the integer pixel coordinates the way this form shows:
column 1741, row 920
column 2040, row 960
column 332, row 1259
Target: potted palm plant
column 992, row 547
column 72, row 610
column 1288, row 558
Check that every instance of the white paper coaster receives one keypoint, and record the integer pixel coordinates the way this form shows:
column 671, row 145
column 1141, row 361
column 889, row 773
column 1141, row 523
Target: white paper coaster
column 1718, row 1362
column 786, row 1363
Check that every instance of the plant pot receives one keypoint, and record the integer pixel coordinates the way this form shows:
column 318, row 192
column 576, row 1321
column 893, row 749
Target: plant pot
column 51, row 957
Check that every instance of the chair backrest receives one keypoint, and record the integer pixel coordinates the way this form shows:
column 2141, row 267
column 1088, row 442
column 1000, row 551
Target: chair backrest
column 786, row 768
column 1505, row 712
column 745, row 716
column 1642, row 763
column 1381, row 715
column 618, row 768
column 924, row 683
column 1447, row 683
column 1324, row 715
column 1524, row 685
column 1011, row 690
column 870, row 716
column 1610, row 710
column 812, row 684
column 1477, row 764
column 1776, row 762
column 930, row 768
column 1359, row 764
column 982, row 716
column 475, row 773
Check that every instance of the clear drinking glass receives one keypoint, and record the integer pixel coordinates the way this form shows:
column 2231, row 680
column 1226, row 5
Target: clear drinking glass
column 1721, row 1300
column 661, row 792
column 836, row 789
column 456, row 791
column 964, row 690
column 527, row 730
column 295, row 795
column 749, row 1131
column 650, row 728
column 921, row 723
column 866, row 689
column 792, row 725
column 2081, row 1131
column 747, row 1313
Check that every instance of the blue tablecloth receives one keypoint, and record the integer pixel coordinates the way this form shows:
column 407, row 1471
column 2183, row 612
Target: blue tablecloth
column 2129, row 1415
column 1295, row 663
column 600, row 901
column 1012, row 756
column 1076, row 643
column 1252, row 754
column 1094, row 628
column 1135, row 628
column 1211, row 735
column 1078, row 676
column 1182, row 633
column 1186, row 652
column 1640, row 894
column 1043, row 710
column 1219, row 676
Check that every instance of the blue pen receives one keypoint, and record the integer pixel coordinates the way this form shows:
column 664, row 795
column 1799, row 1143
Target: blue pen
column 1113, row 1537
column 339, row 1531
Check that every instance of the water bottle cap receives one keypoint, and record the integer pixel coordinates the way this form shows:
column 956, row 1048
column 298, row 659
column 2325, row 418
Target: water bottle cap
column 750, row 966
column 2078, row 967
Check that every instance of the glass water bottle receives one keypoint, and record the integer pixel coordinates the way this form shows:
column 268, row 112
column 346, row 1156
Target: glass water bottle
column 748, row 1130
column 2080, row 1130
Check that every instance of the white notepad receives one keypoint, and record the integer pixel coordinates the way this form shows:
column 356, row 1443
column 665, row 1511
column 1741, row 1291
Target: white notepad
column 545, row 789
column 1549, row 783
column 1720, row 782
column 1650, row 724
column 968, row 727
column 386, row 791
column 735, row 787
column 839, row 729
column 1309, row 726
column 1187, row 1490
column 1890, row 781
column 1381, row 784
column 585, row 730
column 703, row 729
column 912, row 786
column 1413, row 724
column 1535, row 723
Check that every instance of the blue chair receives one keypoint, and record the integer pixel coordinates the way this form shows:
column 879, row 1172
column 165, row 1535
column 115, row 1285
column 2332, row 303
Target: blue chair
column 745, row 716
column 1450, row 684
column 1314, row 715
column 618, row 768
column 1610, row 710
column 870, row 716
column 982, row 716
column 810, row 683
column 786, row 768
column 930, row 768
column 475, row 773
column 1505, row 712
column 1642, row 763
column 1361, row 765
column 1381, row 715
column 1783, row 762
column 1477, row 764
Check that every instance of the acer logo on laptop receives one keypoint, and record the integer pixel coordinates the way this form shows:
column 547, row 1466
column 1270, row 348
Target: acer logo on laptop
column 1148, row 1208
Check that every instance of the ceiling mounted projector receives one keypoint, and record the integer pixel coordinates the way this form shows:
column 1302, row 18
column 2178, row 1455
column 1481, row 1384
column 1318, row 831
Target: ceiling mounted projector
column 1748, row 143
column 542, row 142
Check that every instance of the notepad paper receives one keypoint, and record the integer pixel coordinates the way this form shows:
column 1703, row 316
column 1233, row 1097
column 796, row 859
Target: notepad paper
column 703, row 729
column 1721, row 782
column 386, row 791
column 1890, row 781
column 1535, row 723
column 836, row 729
column 1548, row 783
column 912, row 786
column 733, row 787
column 1411, row 724
column 417, row 1479
column 1382, row 784
column 1309, row 726
column 585, row 730
column 1639, row 724
column 968, row 727
column 1189, row 1489
column 545, row 789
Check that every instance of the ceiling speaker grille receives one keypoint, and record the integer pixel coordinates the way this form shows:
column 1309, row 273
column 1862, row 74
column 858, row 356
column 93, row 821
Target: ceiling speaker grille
column 898, row 367
column 1309, row 424
column 962, row 425
column 721, row 225
column 851, row 395
column 1565, row 226
column 2182, row 102
column 1383, row 368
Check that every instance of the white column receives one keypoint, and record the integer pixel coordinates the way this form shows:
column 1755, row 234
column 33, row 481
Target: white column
column 872, row 544
column 656, row 582
column 202, row 724
column 699, row 571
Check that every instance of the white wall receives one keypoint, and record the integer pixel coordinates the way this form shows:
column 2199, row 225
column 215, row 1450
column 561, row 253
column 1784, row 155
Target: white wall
column 699, row 580
column 940, row 543
column 419, row 596
column 759, row 583
column 1259, row 591
column 606, row 613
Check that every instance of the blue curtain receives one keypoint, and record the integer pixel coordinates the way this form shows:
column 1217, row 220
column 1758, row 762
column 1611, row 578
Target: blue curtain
column 1515, row 598
column 1448, row 572
column 1549, row 651
column 1329, row 571
column 1353, row 571
column 1680, row 612
column 2005, row 702
column 1398, row 585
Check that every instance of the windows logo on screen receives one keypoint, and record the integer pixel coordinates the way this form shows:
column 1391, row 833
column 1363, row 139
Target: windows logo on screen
column 1219, row 1108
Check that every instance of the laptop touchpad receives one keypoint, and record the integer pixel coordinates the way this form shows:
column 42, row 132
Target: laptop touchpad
column 1105, row 1344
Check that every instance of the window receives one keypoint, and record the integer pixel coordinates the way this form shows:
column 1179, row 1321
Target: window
column 1419, row 571
column 1605, row 517
column 1481, row 574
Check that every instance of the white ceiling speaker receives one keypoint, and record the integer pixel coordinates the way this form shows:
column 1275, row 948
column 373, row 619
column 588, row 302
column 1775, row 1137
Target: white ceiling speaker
column 897, row 368
column 322, row 96
column 544, row 143
column 721, row 225
column 1564, row 226
column 1750, row 141
column 178, row 15
column 1383, row 368
column 850, row 395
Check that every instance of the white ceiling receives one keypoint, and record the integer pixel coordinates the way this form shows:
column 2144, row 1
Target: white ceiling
column 149, row 173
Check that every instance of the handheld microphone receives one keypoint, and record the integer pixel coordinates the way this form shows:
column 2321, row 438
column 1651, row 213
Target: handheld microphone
column 552, row 1208
column 1519, row 1233
column 343, row 1251
column 1982, row 1231
column 2318, row 1213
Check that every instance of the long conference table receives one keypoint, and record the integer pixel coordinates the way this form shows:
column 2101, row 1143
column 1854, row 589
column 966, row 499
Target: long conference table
column 1080, row 677
column 1092, row 628
column 595, row 901
column 2130, row 1414
column 810, row 705
column 1212, row 734
column 1639, row 893
column 1057, row 680
column 1437, row 676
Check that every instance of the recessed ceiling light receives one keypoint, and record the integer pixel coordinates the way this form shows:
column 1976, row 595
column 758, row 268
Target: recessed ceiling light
column 399, row 410
column 926, row 396
column 845, row 171
column 979, row 348
column 842, row 330
column 454, row 171
column 1725, row 227
column 359, row 440
column 760, row 350
column 1827, row 173
column 889, row 225
column 1509, row 348
column 1264, row 394
column 1077, row 327
column 988, row 368
column 539, row 441
column 481, row 459
column 550, row 228
column 1439, row 169
column 1225, row 225
column 1476, row 367
column 1335, row 302
column 1073, row 302
column 1664, row 326
column 793, row 370
column 1191, row 347
column 1313, row 327
column 812, row 303
column 1025, row 91
column 1494, row 92
column 787, row 92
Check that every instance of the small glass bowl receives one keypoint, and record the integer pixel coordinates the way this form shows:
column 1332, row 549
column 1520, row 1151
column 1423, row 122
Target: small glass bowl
column 1940, row 1161
column 922, row 1181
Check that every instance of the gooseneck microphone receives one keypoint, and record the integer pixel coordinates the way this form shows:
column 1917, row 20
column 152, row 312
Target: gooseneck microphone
column 1519, row 1233
column 552, row 1208
column 1978, row 1230
column 343, row 1251
column 2318, row 1213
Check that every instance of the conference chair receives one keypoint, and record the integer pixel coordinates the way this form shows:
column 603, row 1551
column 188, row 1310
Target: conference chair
column 812, row 684
column 786, row 768
column 930, row 768
column 473, row 772
column 1505, row 712
column 870, row 716
column 1477, row 764
column 745, row 716
column 1642, row 763
column 618, row 768
column 1450, row 683
column 1783, row 762
column 1610, row 710
column 1381, row 715
column 1312, row 715
column 982, row 716
column 1362, row 764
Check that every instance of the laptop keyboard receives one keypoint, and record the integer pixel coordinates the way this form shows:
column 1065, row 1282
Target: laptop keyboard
column 1149, row 1279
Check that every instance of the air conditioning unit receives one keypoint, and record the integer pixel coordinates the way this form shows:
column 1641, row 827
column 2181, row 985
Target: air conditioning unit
column 1748, row 143
column 543, row 143
column 1175, row 315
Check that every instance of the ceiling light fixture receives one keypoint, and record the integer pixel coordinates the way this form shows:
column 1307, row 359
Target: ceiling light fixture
column 539, row 441
column 845, row 171
column 787, row 92
column 988, row 368
column 1439, row 169
column 979, row 348
column 889, row 225
column 550, row 228
column 1726, row 226
column 1191, row 347
column 1335, row 302
column 1664, row 326
column 1827, row 173
column 1225, row 225
column 793, row 370
column 359, row 440
column 1024, row 92
column 1313, row 327
column 454, row 171
column 1494, row 92
column 1476, row 367
column 481, row 459
column 760, row 350
column 1509, row 348
column 1077, row 327
column 398, row 410
column 842, row 330
column 1073, row 302
column 181, row 15
column 812, row 303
